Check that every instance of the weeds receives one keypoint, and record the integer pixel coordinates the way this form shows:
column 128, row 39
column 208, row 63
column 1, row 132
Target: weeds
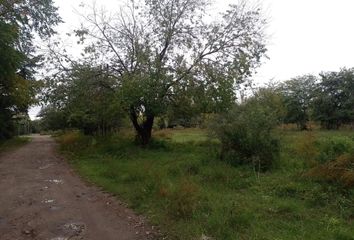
column 341, row 171
column 74, row 140
column 182, row 186
column 306, row 149
column 183, row 200
column 13, row 143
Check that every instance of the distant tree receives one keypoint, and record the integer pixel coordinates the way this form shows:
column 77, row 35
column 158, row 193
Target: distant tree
column 19, row 21
column 36, row 126
column 298, row 94
column 334, row 102
column 271, row 99
column 53, row 118
column 88, row 98
column 186, row 107
column 158, row 51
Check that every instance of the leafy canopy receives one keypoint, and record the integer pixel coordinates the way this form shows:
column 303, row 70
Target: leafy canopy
column 159, row 51
column 20, row 20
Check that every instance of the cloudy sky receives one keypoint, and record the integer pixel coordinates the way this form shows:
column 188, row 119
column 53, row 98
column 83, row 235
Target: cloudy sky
column 305, row 36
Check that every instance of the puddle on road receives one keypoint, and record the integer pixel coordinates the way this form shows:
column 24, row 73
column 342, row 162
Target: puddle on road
column 45, row 166
column 2, row 221
column 55, row 208
column 76, row 228
column 44, row 188
column 71, row 230
column 56, row 181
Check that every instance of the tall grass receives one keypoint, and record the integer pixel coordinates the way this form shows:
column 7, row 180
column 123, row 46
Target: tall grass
column 12, row 143
column 179, row 183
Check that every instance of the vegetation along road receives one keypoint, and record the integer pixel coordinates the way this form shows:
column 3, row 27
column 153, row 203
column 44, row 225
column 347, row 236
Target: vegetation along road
column 41, row 198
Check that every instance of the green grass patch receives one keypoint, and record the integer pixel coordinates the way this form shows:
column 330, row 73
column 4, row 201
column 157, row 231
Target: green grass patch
column 181, row 185
column 13, row 143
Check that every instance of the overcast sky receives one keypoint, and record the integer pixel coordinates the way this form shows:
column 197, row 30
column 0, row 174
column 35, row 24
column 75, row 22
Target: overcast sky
column 305, row 36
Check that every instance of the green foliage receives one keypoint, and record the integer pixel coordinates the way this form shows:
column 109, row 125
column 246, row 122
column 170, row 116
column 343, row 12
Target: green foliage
column 36, row 126
column 315, row 150
column 6, row 145
column 336, row 161
column 74, row 140
column 306, row 148
column 53, row 119
column 245, row 132
column 298, row 96
column 183, row 200
column 10, row 61
column 333, row 147
column 179, row 66
column 86, row 100
column 92, row 87
column 328, row 99
column 333, row 105
column 29, row 18
column 339, row 170
column 189, row 193
column 19, row 21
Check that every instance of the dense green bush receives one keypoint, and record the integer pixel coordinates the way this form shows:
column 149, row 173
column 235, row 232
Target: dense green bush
column 74, row 140
column 246, row 135
column 332, row 159
column 339, row 170
column 183, row 200
column 331, row 148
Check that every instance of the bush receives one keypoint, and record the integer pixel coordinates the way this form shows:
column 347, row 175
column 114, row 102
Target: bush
column 246, row 135
column 341, row 171
column 74, row 140
column 331, row 148
column 306, row 149
column 183, row 200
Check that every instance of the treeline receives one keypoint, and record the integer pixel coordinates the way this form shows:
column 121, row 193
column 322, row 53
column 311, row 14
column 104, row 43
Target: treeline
column 85, row 98
column 20, row 22
column 327, row 99
column 89, row 100
column 246, row 132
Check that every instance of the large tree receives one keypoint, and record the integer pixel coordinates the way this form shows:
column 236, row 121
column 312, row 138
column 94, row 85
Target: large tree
column 334, row 101
column 158, row 50
column 298, row 94
column 85, row 99
column 10, row 60
column 20, row 22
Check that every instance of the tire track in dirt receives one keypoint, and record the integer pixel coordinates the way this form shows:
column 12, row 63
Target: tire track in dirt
column 42, row 198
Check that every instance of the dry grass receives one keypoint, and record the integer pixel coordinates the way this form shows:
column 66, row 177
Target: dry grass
column 341, row 170
column 183, row 200
column 74, row 140
column 305, row 148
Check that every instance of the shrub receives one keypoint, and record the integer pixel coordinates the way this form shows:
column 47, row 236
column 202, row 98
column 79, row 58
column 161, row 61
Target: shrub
column 74, row 140
column 307, row 150
column 341, row 171
column 246, row 135
column 183, row 200
column 331, row 148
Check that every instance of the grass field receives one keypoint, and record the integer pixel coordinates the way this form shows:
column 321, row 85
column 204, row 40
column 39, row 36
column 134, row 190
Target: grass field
column 13, row 143
column 180, row 184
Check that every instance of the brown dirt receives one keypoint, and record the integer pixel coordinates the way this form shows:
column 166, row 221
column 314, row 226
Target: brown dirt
column 42, row 198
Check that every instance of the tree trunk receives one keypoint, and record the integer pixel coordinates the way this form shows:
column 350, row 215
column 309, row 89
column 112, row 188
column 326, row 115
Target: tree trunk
column 143, row 130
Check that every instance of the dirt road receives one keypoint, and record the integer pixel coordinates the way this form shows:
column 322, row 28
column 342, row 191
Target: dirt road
column 42, row 198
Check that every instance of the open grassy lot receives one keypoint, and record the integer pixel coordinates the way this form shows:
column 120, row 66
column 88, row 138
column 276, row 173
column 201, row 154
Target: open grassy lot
column 13, row 143
column 181, row 185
